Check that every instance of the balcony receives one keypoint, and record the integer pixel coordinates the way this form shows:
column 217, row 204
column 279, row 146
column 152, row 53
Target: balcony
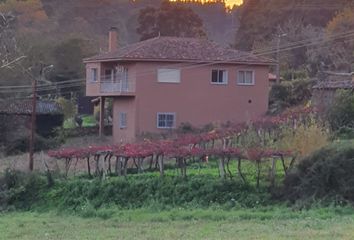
column 117, row 86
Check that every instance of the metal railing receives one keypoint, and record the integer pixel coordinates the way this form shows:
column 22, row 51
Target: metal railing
column 108, row 85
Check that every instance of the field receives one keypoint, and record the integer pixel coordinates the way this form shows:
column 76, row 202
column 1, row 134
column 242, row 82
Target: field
column 145, row 206
column 279, row 223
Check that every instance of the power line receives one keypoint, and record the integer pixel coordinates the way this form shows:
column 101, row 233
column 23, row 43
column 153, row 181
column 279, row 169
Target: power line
column 259, row 52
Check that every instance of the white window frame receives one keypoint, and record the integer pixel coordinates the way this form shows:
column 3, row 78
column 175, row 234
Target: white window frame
column 225, row 75
column 122, row 120
column 112, row 75
column 244, row 83
column 161, row 77
column 94, row 75
column 165, row 113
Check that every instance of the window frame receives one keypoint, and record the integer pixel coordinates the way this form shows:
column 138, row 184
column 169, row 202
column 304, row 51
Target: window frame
column 225, row 73
column 123, row 124
column 166, row 114
column 112, row 75
column 160, row 69
column 244, row 83
column 93, row 75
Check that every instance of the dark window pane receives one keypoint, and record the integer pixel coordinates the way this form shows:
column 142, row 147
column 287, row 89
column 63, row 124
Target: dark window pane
column 214, row 76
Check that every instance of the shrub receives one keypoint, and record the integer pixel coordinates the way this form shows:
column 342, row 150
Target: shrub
column 20, row 190
column 288, row 94
column 326, row 174
column 86, row 196
column 69, row 107
column 341, row 112
column 305, row 138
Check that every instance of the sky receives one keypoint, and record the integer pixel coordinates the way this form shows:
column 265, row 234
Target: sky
column 229, row 3
column 232, row 2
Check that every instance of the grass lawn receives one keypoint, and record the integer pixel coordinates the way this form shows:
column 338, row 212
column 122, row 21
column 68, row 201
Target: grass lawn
column 87, row 121
column 270, row 223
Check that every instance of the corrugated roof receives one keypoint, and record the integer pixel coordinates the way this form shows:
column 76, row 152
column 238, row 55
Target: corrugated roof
column 24, row 107
column 339, row 84
column 179, row 49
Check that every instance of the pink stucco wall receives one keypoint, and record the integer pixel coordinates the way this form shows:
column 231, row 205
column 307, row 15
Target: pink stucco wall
column 128, row 106
column 194, row 100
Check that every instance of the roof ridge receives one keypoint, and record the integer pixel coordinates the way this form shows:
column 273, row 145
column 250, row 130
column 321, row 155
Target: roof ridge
column 169, row 48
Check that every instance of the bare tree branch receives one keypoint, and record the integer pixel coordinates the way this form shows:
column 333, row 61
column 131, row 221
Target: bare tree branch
column 8, row 64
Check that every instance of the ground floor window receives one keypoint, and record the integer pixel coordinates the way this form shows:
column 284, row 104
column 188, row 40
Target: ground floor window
column 166, row 120
column 122, row 120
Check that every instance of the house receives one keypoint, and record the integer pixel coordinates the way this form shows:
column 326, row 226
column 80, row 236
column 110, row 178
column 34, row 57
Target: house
column 324, row 91
column 162, row 82
column 16, row 118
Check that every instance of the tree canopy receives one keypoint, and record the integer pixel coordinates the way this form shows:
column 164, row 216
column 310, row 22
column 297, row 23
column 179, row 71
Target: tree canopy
column 169, row 20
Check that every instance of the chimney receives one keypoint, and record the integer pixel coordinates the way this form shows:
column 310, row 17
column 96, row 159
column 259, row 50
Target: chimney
column 113, row 39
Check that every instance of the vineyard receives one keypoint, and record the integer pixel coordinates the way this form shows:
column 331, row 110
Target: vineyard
column 255, row 142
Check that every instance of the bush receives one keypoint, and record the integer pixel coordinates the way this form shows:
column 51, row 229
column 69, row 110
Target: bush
column 326, row 174
column 305, row 138
column 85, row 195
column 288, row 94
column 69, row 107
column 344, row 133
column 20, row 190
column 341, row 112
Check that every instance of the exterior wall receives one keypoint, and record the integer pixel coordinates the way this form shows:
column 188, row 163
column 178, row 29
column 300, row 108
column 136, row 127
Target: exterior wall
column 195, row 99
column 127, row 105
column 93, row 89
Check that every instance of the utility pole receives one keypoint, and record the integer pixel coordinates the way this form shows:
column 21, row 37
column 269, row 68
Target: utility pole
column 33, row 118
column 34, row 114
column 279, row 36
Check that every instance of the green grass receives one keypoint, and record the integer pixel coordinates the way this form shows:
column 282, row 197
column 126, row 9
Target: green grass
column 87, row 121
column 265, row 223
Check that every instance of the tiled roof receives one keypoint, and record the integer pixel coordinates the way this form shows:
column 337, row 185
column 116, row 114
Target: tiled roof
column 179, row 49
column 339, row 84
column 24, row 107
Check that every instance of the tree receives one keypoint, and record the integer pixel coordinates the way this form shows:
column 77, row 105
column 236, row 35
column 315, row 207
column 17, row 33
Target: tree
column 342, row 50
column 259, row 19
column 9, row 53
column 341, row 112
column 170, row 19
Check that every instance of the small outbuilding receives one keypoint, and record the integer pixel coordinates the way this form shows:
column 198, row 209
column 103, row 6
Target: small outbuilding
column 324, row 91
column 15, row 116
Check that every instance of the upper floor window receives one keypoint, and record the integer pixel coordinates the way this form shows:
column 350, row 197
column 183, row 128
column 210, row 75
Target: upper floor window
column 168, row 75
column 109, row 75
column 219, row 76
column 122, row 120
column 245, row 77
column 166, row 120
column 94, row 75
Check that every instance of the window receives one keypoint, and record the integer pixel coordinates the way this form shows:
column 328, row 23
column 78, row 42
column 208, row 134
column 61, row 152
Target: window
column 219, row 76
column 122, row 120
column 168, row 75
column 245, row 77
column 94, row 75
column 166, row 120
column 109, row 75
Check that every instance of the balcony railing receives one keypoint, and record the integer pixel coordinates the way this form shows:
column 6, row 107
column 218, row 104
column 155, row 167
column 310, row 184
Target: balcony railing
column 118, row 87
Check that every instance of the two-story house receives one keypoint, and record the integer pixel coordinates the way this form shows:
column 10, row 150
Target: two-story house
column 162, row 82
